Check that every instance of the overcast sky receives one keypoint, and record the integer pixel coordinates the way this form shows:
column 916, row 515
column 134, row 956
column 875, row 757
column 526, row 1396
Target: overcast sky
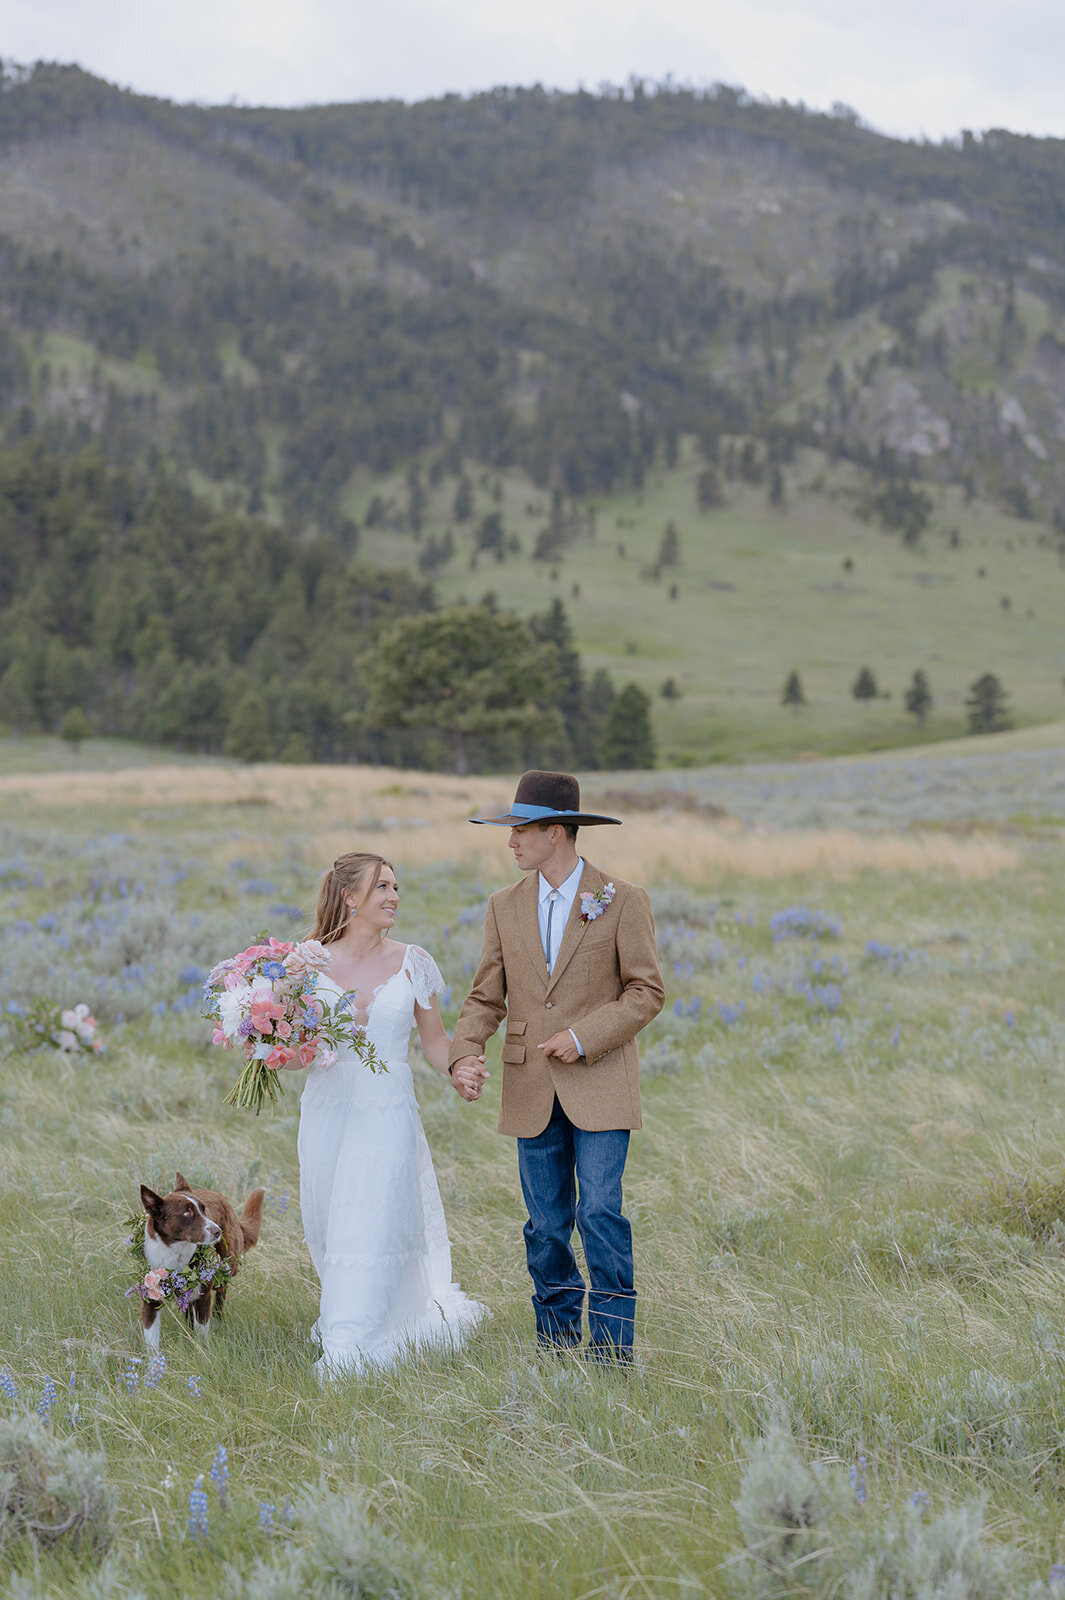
column 911, row 67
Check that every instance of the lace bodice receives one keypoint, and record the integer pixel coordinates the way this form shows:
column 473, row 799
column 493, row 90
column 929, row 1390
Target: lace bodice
column 390, row 1013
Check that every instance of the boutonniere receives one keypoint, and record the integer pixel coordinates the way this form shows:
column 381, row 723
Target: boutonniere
column 595, row 901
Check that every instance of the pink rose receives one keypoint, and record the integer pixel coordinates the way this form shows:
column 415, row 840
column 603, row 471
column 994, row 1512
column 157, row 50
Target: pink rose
column 280, row 1057
column 307, row 1053
column 310, row 955
column 219, row 970
column 151, row 1287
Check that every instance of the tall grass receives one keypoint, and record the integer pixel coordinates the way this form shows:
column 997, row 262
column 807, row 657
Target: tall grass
column 845, row 1204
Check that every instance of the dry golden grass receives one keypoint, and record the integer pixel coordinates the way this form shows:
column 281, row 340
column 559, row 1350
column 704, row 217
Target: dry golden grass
column 421, row 819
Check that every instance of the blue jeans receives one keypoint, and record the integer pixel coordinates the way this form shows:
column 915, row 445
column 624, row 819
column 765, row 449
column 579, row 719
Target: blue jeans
column 568, row 1176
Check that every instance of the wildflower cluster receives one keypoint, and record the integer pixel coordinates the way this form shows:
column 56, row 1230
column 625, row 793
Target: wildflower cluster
column 800, row 922
column 220, row 1475
column 47, row 1401
column 895, row 956
column 198, row 1510
column 155, row 1373
column 264, row 1000
column 45, row 1022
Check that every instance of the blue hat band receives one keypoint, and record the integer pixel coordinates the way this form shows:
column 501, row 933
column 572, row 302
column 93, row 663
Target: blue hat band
column 539, row 813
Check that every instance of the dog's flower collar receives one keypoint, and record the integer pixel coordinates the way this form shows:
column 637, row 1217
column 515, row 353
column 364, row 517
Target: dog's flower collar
column 595, row 901
column 183, row 1285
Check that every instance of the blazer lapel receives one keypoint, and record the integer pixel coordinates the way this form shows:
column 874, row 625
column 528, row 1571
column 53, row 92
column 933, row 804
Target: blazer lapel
column 590, row 879
column 529, row 914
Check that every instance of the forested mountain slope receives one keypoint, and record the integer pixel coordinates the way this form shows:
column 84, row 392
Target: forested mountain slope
column 286, row 309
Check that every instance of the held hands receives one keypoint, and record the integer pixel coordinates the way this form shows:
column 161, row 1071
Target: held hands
column 561, row 1046
column 469, row 1076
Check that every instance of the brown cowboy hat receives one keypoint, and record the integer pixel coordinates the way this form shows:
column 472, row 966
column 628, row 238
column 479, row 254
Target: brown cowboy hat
column 546, row 797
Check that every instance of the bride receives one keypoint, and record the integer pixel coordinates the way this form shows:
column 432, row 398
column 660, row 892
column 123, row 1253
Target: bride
column 372, row 1214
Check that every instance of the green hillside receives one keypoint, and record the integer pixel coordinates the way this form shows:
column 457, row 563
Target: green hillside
column 613, row 307
column 758, row 590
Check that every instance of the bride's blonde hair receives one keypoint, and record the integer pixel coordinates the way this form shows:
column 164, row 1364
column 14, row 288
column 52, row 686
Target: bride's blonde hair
column 346, row 876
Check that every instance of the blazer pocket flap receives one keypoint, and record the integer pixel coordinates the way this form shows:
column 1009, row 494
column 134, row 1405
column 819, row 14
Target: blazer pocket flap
column 514, row 1051
column 515, row 1027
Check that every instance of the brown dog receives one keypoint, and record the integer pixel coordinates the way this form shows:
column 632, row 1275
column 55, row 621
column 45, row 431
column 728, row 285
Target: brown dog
column 178, row 1224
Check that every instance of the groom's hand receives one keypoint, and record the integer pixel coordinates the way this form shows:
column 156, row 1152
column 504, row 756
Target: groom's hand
column 469, row 1076
column 561, row 1046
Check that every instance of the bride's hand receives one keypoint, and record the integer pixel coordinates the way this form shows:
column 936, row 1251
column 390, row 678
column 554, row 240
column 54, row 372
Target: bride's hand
column 469, row 1076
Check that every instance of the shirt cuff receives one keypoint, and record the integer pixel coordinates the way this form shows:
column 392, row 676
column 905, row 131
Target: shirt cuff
column 576, row 1041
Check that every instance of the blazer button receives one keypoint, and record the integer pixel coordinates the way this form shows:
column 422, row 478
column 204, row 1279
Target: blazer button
column 549, row 1004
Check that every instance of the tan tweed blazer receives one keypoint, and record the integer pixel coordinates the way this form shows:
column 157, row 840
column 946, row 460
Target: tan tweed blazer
column 606, row 986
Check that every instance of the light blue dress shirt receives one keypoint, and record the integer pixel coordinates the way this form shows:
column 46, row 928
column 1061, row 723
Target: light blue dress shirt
column 564, row 895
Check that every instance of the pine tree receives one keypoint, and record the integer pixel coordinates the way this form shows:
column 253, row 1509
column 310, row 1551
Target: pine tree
column 918, row 699
column 463, row 507
column 628, row 742
column 417, row 500
column 987, row 706
column 74, row 728
column 248, row 732
column 669, row 546
column 864, row 686
column 793, row 695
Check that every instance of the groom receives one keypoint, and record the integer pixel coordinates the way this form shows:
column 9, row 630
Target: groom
column 569, row 959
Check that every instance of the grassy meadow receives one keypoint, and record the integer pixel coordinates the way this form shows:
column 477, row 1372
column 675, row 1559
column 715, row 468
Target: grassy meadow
column 760, row 591
column 848, row 1197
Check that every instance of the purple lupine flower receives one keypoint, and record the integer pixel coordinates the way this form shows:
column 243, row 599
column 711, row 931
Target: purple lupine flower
column 266, row 1517
column 156, row 1370
column 47, row 1400
column 857, row 1481
column 198, row 1509
column 8, row 1385
column 220, row 1475
column 194, row 1387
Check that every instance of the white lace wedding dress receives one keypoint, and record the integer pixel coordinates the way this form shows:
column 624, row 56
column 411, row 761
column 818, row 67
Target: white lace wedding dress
column 372, row 1214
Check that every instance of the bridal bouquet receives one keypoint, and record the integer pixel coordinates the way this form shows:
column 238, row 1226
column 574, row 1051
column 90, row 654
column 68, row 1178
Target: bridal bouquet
column 263, row 1000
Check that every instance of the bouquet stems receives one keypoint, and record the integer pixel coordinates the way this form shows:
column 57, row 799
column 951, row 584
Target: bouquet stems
column 256, row 1087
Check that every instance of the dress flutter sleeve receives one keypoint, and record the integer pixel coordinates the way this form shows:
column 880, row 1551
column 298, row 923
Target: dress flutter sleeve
column 425, row 975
